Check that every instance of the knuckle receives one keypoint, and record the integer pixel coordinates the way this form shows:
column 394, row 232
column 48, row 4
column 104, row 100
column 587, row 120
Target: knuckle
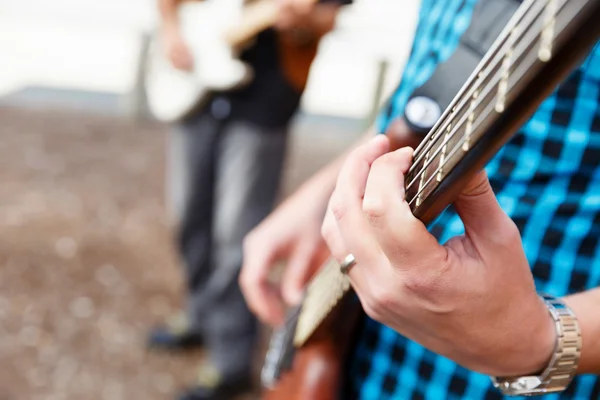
column 432, row 289
column 356, row 153
column 428, row 282
column 419, row 283
column 338, row 207
column 374, row 208
column 377, row 304
column 326, row 230
column 386, row 160
column 370, row 311
column 382, row 300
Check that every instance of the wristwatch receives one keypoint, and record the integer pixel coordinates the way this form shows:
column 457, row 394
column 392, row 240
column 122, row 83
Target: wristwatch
column 421, row 113
column 563, row 364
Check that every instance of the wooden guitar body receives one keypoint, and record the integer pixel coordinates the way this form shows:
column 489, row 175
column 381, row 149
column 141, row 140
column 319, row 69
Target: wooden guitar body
column 317, row 371
column 318, row 367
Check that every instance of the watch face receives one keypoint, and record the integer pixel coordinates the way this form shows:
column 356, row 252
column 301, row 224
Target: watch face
column 422, row 112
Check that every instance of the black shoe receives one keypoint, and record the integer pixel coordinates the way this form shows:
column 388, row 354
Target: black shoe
column 226, row 390
column 176, row 335
column 164, row 338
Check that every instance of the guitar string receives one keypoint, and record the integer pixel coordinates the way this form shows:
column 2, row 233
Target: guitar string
column 496, row 55
column 463, row 98
column 481, row 119
column 319, row 278
column 485, row 91
column 520, row 67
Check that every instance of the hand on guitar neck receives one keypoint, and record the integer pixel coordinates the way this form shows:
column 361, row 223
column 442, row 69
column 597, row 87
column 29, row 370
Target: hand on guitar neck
column 466, row 299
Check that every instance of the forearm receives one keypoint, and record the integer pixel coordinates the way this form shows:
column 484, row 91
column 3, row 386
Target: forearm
column 168, row 13
column 585, row 306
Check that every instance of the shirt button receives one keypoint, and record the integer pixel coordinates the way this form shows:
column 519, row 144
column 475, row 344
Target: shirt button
column 220, row 108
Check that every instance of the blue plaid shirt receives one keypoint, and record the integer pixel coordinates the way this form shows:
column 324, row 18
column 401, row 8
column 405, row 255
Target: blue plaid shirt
column 547, row 178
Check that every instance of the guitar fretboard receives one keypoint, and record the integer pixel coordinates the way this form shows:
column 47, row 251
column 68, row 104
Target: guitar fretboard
column 529, row 41
column 526, row 41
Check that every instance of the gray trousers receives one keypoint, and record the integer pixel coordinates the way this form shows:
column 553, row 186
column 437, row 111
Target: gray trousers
column 222, row 181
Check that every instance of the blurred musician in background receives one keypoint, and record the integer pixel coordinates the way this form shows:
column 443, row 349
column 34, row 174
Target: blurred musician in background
column 225, row 163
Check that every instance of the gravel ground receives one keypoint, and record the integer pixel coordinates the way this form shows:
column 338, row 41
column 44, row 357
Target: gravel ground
column 86, row 263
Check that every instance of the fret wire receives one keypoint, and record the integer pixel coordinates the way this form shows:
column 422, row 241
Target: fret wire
column 487, row 89
column 517, row 18
column 524, row 19
column 547, row 36
column 456, row 148
column 490, row 108
column 498, row 55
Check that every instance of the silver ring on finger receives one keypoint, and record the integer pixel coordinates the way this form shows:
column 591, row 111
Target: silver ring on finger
column 348, row 263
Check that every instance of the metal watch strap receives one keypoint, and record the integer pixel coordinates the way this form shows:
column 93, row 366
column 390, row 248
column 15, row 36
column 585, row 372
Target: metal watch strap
column 563, row 364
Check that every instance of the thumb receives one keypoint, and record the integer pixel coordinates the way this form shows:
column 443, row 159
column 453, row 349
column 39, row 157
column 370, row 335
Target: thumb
column 478, row 208
column 260, row 296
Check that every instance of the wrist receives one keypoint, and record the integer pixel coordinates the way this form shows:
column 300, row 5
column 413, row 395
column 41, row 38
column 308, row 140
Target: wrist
column 527, row 347
column 541, row 344
column 562, row 366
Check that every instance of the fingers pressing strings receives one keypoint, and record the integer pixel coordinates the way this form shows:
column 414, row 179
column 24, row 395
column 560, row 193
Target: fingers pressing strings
column 401, row 236
column 346, row 228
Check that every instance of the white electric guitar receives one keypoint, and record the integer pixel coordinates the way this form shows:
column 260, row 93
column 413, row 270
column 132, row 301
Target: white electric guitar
column 215, row 31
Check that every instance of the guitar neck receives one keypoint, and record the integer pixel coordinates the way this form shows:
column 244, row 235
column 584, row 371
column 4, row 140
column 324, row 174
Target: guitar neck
column 543, row 41
column 256, row 17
